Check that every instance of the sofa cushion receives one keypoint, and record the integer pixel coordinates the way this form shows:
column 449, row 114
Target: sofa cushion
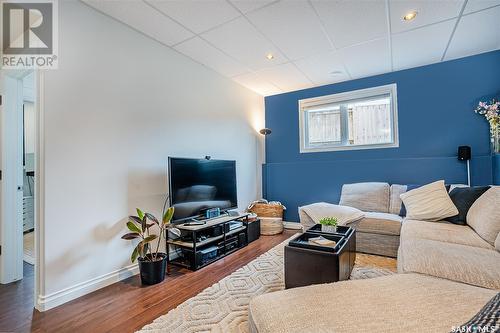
column 484, row 215
column 379, row 223
column 457, row 262
column 497, row 242
column 369, row 197
column 395, row 202
column 463, row 198
column 410, row 303
column 430, row 202
column 443, row 232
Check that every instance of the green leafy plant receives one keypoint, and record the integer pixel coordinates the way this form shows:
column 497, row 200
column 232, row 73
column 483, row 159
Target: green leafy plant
column 139, row 227
column 331, row 221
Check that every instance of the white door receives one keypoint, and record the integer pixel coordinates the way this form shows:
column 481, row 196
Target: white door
column 11, row 184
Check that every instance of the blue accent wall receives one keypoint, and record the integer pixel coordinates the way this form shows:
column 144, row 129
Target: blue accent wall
column 496, row 169
column 435, row 110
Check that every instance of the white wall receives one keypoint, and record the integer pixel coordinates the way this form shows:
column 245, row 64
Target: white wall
column 116, row 108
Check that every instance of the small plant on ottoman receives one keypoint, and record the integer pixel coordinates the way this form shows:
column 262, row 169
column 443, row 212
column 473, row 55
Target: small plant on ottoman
column 152, row 262
column 329, row 224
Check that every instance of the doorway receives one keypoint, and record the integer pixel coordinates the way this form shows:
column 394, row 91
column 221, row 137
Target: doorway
column 29, row 123
column 18, row 184
column 29, row 170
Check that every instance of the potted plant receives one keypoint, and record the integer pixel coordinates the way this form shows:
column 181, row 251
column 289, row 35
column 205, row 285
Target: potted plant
column 152, row 262
column 329, row 224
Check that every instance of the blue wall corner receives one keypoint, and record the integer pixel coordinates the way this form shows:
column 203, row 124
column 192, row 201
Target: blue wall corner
column 496, row 169
column 435, row 111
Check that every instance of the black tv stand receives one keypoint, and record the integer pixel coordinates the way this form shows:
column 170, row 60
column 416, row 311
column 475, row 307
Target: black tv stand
column 201, row 245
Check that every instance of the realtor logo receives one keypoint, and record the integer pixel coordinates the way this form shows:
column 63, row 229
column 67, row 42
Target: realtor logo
column 29, row 34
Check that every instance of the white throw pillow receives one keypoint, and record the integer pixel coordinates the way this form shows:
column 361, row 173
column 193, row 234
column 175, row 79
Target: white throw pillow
column 484, row 215
column 343, row 214
column 430, row 202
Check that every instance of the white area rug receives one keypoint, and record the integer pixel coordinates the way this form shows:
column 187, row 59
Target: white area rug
column 223, row 306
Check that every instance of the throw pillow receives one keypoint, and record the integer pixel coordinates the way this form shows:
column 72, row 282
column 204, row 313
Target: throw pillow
column 463, row 198
column 430, row 202
column 402, row 212
column 368, row 197
column 344, row 214
column 484, row 215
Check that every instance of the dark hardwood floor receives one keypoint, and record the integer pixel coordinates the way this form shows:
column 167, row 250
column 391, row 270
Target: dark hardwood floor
column 125, row 306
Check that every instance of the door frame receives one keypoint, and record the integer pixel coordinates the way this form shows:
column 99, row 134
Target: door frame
column 11, row 234
column 39, row 92
column 39, row 185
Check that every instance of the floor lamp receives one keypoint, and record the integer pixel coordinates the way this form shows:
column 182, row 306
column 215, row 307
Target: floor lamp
column 464, row 154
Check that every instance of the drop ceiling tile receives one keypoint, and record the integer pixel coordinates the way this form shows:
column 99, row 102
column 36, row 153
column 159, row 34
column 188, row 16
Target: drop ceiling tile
column 421, row 46
column 144, row 18
column 286, row 77
column 293, row 26
column 352, row 22
column 475, row 5
column 201, row 51
column 322, row 68
column 256, row 83
column 476, row 33
column 428, row 12
column 244, row 43
column 248, row 5
column 367, row 59
column 197, row 16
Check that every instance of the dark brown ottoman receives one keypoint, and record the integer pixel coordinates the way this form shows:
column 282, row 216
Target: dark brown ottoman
column 315, row 265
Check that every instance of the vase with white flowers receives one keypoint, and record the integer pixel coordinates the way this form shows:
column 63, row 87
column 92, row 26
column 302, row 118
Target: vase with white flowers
column 491, row 111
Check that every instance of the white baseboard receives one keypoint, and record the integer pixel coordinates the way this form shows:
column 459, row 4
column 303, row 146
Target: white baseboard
column 47, row 302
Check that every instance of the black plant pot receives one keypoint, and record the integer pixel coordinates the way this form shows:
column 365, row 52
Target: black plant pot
column 153, row 272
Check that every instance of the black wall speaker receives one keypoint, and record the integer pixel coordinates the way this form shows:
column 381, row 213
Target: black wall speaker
column 464, row 153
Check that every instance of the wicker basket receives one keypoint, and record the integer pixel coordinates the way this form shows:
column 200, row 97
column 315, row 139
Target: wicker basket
column 271, row 226
column 267, row 210
column 271, row 218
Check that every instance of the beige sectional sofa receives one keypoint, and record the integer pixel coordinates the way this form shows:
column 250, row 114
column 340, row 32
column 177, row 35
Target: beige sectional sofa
column 448, row 273
column 378, row 232
column 397, row 303
column 465, row 253
column 449, row 251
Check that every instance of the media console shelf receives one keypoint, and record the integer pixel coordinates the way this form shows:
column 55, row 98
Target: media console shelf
column 201, row 245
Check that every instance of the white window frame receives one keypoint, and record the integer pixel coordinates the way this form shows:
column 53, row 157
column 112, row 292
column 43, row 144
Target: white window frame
column 317, row 102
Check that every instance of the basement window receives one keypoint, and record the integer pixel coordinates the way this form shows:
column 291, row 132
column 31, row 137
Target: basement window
column 360, row 119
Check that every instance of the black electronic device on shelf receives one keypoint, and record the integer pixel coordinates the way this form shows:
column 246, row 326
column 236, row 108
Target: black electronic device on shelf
column 200, row 245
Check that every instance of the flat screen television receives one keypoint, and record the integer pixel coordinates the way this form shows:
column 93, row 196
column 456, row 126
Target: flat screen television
column 199, row 184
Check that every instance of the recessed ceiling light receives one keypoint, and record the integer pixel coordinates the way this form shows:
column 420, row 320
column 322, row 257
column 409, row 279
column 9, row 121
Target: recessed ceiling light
column 270, row 56
column 336, row 73
column 410, row 15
